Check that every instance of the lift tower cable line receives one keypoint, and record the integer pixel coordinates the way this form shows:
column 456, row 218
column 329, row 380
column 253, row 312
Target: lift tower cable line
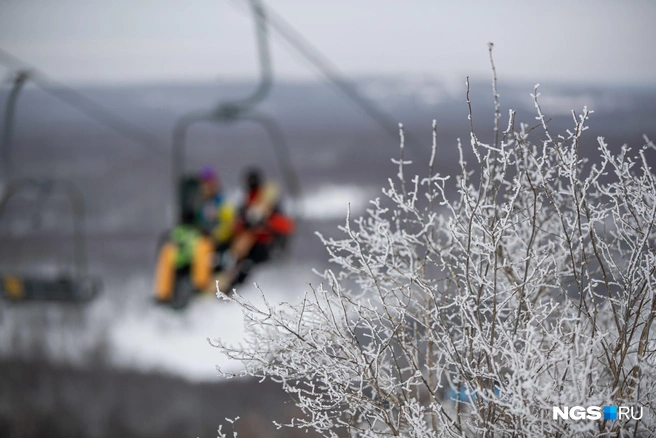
column 308, row 51
column 86, row 105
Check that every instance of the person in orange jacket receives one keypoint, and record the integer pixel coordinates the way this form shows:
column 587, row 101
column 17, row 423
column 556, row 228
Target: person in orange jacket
column 261, row 217
column 260, row 228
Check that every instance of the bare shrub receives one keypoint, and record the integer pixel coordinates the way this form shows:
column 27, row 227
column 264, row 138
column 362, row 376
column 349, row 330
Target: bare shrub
column 474, row 314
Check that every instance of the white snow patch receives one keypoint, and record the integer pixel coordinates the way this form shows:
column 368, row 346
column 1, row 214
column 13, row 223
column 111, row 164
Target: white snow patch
column 134, row 333
column 562, row 104
column 158, row 338
column 426, row 89
column 331, row 202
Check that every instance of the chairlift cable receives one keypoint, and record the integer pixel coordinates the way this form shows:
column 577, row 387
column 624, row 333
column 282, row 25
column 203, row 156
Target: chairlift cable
column 86, row 105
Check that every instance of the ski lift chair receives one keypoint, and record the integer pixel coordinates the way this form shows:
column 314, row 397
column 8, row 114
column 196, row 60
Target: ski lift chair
column 75, row 286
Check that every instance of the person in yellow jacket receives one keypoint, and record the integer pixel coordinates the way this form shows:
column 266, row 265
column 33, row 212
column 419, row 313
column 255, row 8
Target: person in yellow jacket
column 216, row 217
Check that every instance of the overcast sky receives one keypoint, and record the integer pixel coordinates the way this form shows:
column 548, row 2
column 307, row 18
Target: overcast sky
column 173, row 40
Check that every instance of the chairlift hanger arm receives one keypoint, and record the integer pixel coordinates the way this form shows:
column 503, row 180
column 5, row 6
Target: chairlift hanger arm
column 227, row 111
column 232, row 109
column 8, row 127
column 264, row 56
column 236, row 107
column 87, row 106
column 308, row 51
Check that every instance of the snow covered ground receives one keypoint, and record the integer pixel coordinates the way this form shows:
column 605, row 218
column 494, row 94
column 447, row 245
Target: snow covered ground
column 156, row 338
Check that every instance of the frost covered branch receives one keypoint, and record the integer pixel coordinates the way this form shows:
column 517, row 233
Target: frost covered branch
column 474, row 311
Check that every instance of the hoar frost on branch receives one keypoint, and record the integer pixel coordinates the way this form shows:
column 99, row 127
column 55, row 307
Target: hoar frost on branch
column 473, row 315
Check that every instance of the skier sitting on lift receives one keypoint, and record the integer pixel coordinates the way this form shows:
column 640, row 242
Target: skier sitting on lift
column 260, row 228
column 260, row 215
